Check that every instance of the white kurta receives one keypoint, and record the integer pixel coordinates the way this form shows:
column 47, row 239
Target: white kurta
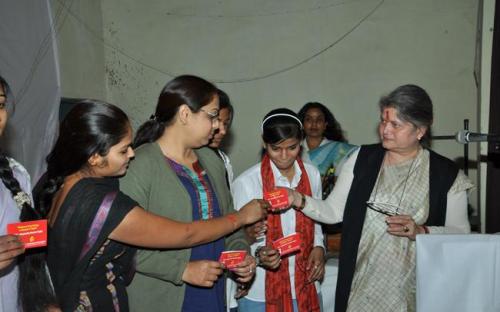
column 249, row 186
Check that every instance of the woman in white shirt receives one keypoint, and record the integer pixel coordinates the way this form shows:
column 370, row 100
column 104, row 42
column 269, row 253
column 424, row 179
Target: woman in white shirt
column 283, row 283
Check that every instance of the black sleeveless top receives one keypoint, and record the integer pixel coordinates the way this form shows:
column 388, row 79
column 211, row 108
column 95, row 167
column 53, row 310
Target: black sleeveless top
column 442, row 174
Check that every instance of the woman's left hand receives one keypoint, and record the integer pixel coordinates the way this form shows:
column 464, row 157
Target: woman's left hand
column 242, row 290
column 404, row 226
column 316, row 264
column 245, row 270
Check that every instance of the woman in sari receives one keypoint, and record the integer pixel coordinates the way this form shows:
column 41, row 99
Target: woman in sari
column 386, row 194
column 324, row 144
column 93, row 225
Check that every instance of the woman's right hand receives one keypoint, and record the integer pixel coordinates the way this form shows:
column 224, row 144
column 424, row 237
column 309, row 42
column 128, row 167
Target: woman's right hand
column 294, row 198
column 269, row 258
column 202, row 273
column 256, row 230
column 255, row 210
column 10, row 248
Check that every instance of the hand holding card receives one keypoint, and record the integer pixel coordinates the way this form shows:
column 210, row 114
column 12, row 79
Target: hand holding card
column 32, row 233
column 230, row 259
column 278, row 199
column 288, row 244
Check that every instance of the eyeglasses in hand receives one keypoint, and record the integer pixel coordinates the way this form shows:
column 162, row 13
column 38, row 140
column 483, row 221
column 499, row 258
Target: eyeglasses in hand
column 384, row 208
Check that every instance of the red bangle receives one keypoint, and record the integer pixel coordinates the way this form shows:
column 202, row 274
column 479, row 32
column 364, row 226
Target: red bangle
column 426, row 229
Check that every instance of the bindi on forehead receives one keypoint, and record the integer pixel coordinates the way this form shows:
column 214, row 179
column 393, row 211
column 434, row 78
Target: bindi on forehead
column 385, row 114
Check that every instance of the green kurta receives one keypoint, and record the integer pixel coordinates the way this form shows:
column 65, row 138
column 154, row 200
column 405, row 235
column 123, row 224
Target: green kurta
column 158, row 285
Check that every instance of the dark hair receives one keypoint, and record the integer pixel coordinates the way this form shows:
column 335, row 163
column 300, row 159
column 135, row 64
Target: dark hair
column 91, row 127
column 9, row 97
column 34, row 287
column 333, row 130
column 413, row 105
column 225, row 103
column 193, row 91
column 281, row 127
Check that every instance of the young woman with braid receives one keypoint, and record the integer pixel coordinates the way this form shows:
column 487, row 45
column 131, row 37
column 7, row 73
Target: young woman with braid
column 24, row 284
column 93, row 226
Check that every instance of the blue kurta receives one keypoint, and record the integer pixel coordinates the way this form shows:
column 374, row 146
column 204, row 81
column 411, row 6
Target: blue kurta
column 205, row 206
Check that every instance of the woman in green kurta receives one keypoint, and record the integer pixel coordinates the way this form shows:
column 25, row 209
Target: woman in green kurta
column 170, row 168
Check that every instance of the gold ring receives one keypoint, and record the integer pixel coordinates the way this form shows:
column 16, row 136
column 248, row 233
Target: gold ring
column 406, row 229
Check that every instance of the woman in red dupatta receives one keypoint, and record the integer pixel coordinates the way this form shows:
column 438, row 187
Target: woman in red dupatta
column 283, row 283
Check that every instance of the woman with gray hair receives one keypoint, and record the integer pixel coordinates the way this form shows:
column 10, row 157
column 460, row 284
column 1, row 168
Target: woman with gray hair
column 386, row 194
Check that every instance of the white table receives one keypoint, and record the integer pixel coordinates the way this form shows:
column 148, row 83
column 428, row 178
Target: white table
column 458, row 273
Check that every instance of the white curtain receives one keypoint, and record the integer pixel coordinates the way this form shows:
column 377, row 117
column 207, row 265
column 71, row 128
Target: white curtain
column 28, row 61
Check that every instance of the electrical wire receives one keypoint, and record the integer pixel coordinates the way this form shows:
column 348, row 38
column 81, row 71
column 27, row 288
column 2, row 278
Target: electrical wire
column 169, row 73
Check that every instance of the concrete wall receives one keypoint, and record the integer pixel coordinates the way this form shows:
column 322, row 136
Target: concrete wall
column 78, row 26
column 269, row 54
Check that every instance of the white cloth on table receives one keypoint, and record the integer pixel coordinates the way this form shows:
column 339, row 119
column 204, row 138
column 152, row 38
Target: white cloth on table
column 458, row 273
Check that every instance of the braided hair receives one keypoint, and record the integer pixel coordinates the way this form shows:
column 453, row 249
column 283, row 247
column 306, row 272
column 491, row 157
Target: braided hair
column 34, row 287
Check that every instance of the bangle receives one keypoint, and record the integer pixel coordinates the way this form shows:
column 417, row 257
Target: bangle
column 426, row 229
column 233, row 219
column 302, row 202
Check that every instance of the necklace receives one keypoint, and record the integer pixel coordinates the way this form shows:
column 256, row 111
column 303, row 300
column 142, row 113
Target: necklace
column 386, row 207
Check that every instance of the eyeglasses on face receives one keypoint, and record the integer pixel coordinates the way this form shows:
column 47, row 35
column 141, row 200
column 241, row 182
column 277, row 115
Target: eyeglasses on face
column 213, row 116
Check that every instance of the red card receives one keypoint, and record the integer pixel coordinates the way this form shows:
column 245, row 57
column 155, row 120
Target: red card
column 278, row 199
column 32, row 233
column 231, row 259
column 288, row 244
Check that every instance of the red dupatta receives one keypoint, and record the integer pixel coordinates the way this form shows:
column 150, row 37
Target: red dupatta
column 278, row 289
